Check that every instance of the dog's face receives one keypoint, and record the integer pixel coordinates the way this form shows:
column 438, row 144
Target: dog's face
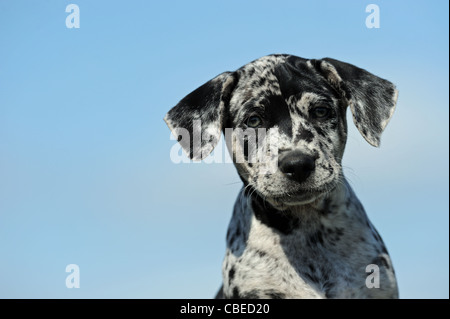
column 284, row 121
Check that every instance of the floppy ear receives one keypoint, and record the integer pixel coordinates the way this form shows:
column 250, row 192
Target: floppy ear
column 196, row 121
column 372, row 99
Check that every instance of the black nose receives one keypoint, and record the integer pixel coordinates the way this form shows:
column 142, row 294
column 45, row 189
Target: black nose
column 297, row 166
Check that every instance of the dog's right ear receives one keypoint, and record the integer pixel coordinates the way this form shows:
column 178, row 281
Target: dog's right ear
column 197, row 120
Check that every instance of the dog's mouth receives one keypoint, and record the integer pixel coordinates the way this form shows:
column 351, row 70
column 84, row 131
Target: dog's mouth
column 299, row 197
column 289, row 199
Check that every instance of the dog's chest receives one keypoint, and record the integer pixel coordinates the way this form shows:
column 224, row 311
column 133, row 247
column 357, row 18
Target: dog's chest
column 323, row 262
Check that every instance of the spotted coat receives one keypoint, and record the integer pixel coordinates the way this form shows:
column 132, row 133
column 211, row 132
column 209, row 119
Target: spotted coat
column 292, row 236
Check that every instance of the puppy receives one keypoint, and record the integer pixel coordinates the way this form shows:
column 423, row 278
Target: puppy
column 297, row 230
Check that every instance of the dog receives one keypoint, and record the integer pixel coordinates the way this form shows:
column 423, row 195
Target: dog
column 297, row 230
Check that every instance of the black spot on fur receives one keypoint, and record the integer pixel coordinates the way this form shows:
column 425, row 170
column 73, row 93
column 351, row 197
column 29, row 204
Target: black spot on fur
column 275, row 295
column 235, row 293
column 333, row 124
column 261, row 253
column 251, row 72
column 320, row 131
column 262, row 81
column 277, row 113
column 231, row 274
column 232, row 239
column 357, row 117
column 306, row 135
column 252, row 294
column 272, row 217
column 238, row 230
column 326, row 207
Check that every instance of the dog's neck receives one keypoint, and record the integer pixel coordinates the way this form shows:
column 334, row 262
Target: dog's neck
column 308, row 217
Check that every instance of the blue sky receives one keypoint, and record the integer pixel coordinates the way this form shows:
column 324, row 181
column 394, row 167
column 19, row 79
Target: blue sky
column 85, row 172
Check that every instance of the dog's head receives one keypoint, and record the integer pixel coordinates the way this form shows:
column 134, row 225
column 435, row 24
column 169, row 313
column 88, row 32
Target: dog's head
column 284, row 121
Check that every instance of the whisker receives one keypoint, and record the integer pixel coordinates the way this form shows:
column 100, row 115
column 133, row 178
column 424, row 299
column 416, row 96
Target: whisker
column 232, row 183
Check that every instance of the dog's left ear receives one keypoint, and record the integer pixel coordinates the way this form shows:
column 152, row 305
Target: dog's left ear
column 372, row 99
column 198, row 118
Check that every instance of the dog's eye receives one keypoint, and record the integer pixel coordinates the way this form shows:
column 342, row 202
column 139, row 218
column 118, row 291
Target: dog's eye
column 321, row 112
column 254, row 121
